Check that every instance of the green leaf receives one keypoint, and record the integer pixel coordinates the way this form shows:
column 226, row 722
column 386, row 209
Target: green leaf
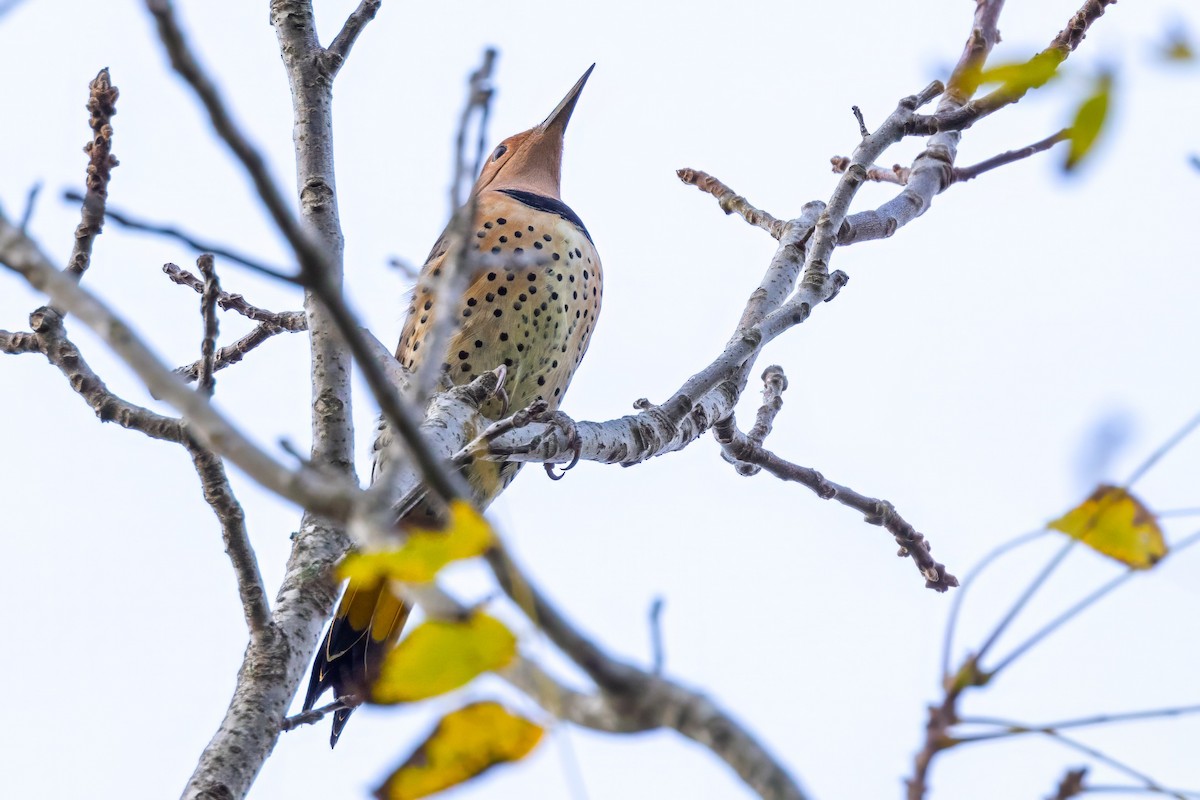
column 1020, row 77
column 465, row 743
column 1089, row 121
column 440, row 656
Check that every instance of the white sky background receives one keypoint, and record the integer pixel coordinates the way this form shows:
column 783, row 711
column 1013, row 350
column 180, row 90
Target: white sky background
column 960, row 374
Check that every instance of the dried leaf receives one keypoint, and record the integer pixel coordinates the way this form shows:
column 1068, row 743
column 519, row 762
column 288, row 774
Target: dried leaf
column 440, row 656
column 1115, row 523
column 1089, row 120
column 424, row 552
column 465, row 743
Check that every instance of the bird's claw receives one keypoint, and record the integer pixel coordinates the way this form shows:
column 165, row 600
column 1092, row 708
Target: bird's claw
column 567, row 425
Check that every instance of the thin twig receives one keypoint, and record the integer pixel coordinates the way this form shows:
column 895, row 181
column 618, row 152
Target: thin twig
column 1071, row 784
column 126, row 220
column 730, row 201
column 208, row 313
column 774, row 385
column 1042, row 633
column 30, row 205
column 479, row 102
column 956, row 604
column 317, row 714
column 445, row 285
column 657, row 651
column 875, row 173
column 1177, row 512
column 285, row 320
column 49, row 338
column 1166, row 447
column 877, row 512
column 1119, row 766
column 231, row 354
column 1026, row 595
column 862, row 125
column 1011, row 728
column 219, row 495
column 102, row 98
column 963, row 174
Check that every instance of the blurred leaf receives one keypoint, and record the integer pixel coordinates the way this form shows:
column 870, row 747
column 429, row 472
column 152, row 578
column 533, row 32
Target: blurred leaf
column 440, row 656
column 465, row 743
column 1089, row 120
column 424, row 552
column 1177, row 47
column 1115, row 523
column 1022, row 76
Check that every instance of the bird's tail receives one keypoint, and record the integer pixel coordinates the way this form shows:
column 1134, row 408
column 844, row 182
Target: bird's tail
column 367, row 625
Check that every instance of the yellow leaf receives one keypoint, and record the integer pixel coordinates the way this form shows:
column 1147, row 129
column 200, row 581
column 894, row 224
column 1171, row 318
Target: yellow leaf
column 1025, row 75
column 465, row 743
column 1115, row 523
column 424, row 552
column 440, row 656
column 1089, row 120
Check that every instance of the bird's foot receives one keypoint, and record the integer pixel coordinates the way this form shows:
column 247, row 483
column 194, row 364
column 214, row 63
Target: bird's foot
column 567, row 425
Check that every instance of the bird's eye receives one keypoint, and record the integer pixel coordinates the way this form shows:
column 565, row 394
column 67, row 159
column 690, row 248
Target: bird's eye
column 501, row 150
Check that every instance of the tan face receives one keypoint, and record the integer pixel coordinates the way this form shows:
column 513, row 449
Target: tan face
column 531, row 160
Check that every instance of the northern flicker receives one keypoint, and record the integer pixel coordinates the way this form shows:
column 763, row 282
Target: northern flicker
column 535, row 320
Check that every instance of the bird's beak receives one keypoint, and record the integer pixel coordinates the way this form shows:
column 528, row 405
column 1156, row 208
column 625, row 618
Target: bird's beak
column 556, row 123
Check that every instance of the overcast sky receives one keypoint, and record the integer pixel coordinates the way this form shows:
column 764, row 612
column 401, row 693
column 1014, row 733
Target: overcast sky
column 965, row 374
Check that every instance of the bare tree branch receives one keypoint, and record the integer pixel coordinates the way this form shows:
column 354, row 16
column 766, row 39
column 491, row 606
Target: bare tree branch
column 731, row 202
column 231, row 354
column 208, row 313
column 339, row 49
column 899, row 175
column 286, row 320
column 49, row 339
column 629, row 698
column 219, row 495
column 828, row 230
column 101, row 105
column 307, row 487
column 959, row 115
column 876, row 512
column 30, row 204
column 1071, row 784
column 774, row 385
column 479, row 103
column 931, row 171
column 875, row 173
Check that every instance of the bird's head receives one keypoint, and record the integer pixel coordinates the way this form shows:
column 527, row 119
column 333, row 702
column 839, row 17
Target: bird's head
column 532, row 160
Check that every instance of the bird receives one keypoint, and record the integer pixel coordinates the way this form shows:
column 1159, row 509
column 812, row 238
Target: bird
column 530, row 305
